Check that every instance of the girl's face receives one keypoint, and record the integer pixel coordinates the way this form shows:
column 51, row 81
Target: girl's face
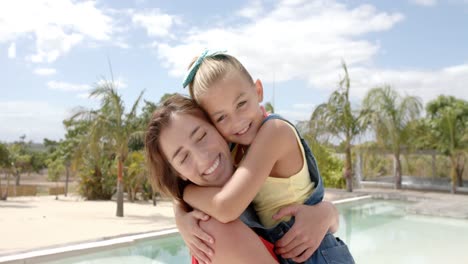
column 196, row 150
column 232, row 103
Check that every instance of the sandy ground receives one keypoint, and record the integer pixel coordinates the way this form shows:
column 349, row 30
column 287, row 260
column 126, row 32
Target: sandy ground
column 36, row 222
column 29, row 223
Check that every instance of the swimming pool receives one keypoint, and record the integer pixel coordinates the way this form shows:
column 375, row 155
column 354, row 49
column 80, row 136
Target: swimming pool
column 380, row 231
column 170, row 249
column 377, row 231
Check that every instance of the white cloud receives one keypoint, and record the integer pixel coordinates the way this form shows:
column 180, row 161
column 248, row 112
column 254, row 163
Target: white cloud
column 53, row 42
column 156, row 23
column 307, row 40
column 254, row 9
column 297, row 112
column 68, row 87
column 294, row 40
column 45, row 71
column 119, row 83
column 83, row 95
column 427, row 84
column 294, row 115
column 12, row 51
column 424, row 2
column 56, row 25
column 35, row 119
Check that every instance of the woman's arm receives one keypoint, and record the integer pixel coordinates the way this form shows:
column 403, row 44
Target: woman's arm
column 274, row 141
column 312, row 222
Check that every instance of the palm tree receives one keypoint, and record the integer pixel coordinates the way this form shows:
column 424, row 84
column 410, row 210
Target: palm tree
column 136, row 173
column 89, row 154
column 269, row 108
column 336, row 119
column 391, row 116
column 112, row 125
column 5, row 164
column 448, row 119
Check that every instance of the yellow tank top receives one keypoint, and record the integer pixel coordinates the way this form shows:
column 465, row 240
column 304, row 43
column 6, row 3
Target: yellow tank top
column 276, row 193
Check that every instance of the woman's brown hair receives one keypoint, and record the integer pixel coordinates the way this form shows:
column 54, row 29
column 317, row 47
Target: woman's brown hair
column 162, row 175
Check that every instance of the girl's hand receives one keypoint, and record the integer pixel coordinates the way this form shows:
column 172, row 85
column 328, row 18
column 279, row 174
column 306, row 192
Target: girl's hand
column 310, row 227
column 197, row 240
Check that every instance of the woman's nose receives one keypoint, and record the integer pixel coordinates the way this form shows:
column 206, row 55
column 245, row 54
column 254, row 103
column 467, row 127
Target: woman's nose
column 202, row 157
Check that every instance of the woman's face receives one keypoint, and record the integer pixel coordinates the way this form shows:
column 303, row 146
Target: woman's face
column 196, row 150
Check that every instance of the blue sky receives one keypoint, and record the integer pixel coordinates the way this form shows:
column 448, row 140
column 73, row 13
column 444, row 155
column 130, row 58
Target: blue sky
column 53, row 52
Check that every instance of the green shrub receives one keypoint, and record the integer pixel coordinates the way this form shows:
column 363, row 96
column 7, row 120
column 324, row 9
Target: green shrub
column 330, row 166
column 97, row 180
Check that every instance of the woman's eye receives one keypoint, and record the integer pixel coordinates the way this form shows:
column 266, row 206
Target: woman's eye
column 184, row 159
column 203, row 136
column 241, row 104
column 221, row 118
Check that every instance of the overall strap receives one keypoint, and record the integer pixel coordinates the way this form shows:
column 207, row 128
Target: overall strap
column 276, row 116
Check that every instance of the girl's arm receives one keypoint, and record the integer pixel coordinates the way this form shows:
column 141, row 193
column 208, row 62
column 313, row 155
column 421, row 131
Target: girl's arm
column 197, row 240
column 274, row 141
column 301, row 241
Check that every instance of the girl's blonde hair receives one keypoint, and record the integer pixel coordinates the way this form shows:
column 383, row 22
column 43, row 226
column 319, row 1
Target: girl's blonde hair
column 213, row 69
column 163, row 177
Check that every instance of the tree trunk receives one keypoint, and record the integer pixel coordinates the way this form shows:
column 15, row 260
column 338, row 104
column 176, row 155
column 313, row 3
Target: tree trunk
column 67, row 177
column 434, row 168
column 120, row 207
column 1, row 192
column 18, row 175
column 131, row 194
column 154, row 198
column 397, row 171
column 5, row 194
column 56, row 190
column 348, row 172
column 460, row 168
column 453, row 174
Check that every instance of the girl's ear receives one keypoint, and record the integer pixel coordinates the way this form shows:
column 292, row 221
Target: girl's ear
column 259, row 90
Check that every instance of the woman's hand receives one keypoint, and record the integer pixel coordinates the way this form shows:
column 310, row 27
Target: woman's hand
column 197, row 240
column 310, row 227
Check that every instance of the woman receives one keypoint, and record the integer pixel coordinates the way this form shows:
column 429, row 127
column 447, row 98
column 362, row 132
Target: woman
column 179, row 132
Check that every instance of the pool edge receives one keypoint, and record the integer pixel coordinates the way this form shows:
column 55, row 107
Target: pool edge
column 50, row 254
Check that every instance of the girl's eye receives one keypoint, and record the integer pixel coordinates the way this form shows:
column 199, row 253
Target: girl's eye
column 221, row 118
column 184, row 159
column 203, row 136
column 239, row 105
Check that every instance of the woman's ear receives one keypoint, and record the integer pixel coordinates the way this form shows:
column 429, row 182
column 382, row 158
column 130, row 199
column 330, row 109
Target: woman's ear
column 259, row 90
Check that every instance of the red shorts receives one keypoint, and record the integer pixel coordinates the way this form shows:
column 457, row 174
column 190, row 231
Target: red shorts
column 269, row 246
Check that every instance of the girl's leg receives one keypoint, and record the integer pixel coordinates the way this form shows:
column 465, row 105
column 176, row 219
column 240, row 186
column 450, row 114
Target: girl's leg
column 236, row 243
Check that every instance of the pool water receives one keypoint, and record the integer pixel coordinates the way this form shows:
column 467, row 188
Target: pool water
column 382, row 232
column 169, row 249
column 376, row 231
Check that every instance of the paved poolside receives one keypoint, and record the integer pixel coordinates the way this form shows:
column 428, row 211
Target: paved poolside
column 28, row 223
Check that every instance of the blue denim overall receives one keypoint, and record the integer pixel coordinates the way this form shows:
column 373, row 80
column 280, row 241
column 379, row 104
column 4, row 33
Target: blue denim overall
column 331, row 249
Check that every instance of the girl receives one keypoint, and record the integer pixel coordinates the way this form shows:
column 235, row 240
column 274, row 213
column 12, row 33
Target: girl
column 279, row 168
